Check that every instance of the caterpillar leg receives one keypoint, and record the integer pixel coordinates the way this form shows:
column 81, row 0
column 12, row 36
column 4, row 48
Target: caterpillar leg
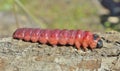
column 77, row 44
column 85, row 45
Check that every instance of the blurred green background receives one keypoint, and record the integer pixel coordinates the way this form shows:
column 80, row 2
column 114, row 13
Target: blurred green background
column 52, row 14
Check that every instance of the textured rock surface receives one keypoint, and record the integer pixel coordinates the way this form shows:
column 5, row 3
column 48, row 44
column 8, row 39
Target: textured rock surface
column 17, row 55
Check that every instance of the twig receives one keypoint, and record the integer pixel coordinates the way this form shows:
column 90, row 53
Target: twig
column 15, row 14
column 28, row 12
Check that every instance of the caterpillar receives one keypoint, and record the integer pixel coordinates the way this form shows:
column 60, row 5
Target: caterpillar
column 78, row 38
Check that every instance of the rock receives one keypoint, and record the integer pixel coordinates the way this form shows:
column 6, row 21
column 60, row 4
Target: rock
column 17, row 55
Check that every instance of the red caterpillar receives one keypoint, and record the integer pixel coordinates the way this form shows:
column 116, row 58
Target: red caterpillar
column 78, row 38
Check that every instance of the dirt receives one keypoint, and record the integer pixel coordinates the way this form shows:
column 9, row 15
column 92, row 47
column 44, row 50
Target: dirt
column 18, row 55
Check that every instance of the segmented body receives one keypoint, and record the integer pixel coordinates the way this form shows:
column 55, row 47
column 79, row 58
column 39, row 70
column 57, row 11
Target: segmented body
column 79, row 38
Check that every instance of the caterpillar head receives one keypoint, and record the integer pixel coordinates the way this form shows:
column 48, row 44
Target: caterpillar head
column 99, row 41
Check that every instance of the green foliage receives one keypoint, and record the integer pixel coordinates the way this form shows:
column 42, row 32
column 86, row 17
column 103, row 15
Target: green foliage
column 74, row 14
column 107, row 24
column 6, row 4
